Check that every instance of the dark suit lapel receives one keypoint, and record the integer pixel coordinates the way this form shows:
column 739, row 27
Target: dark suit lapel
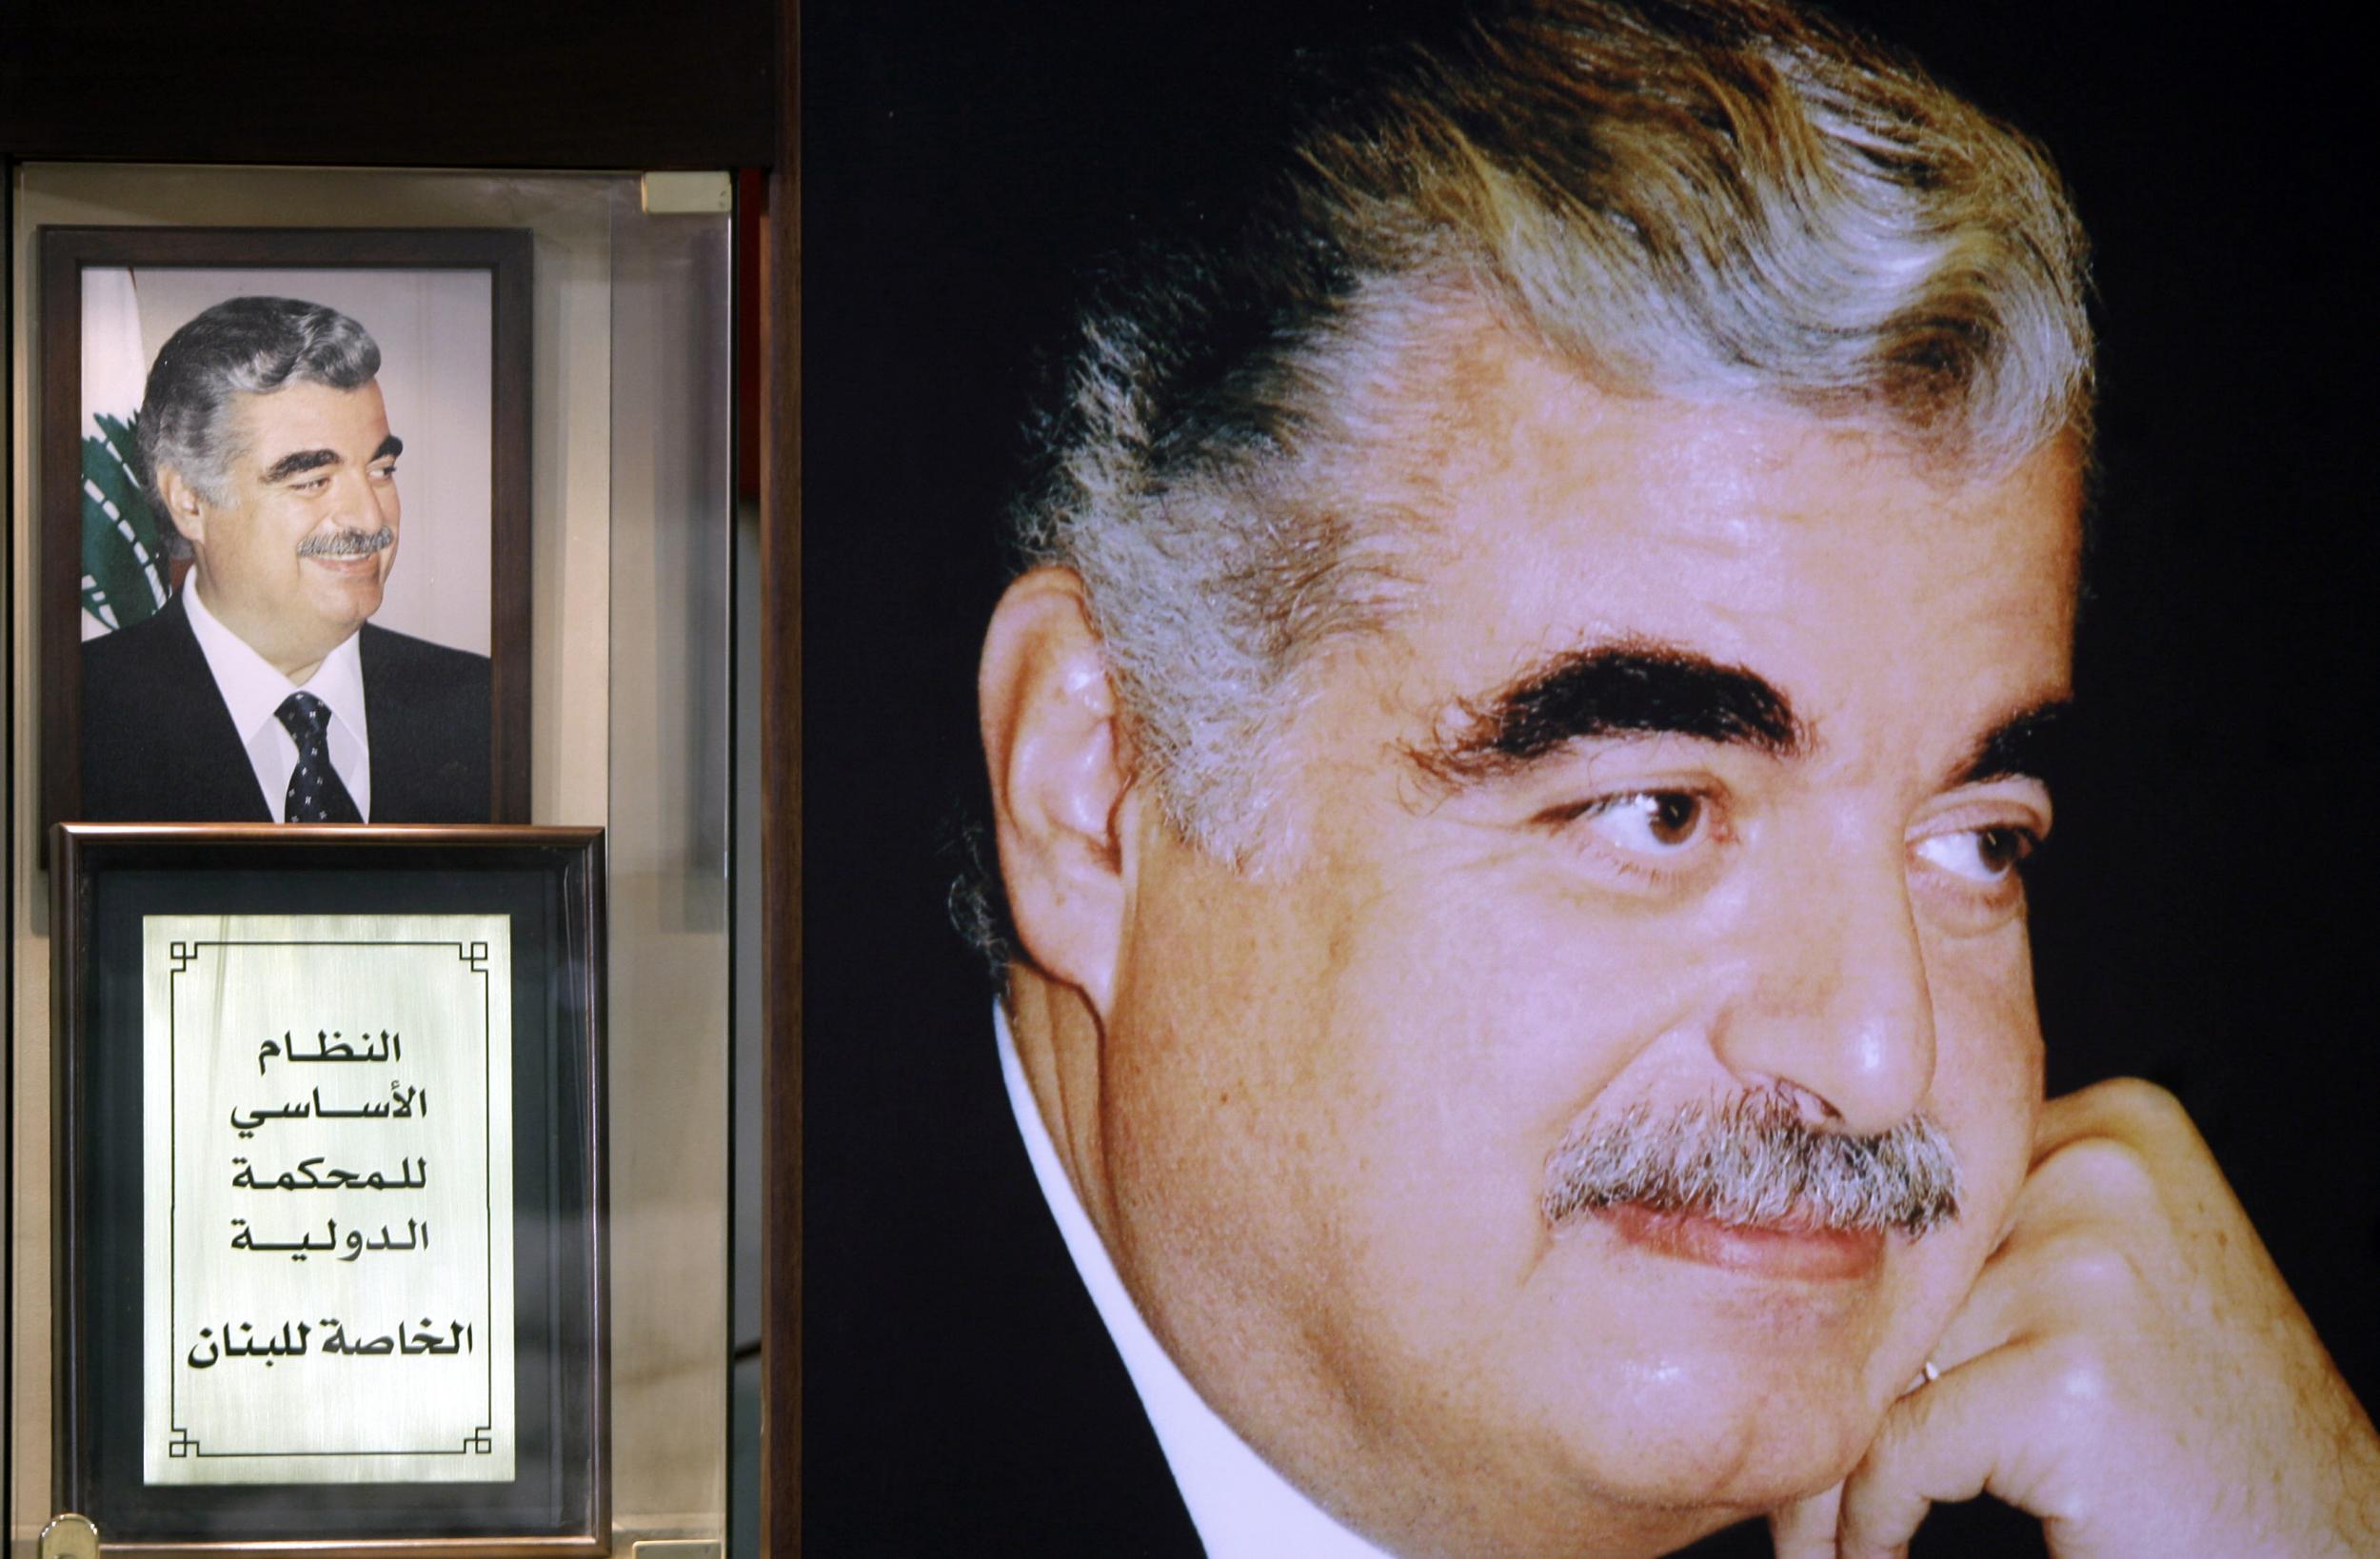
column 209, row 763
column 398, row 739
column 960, row 1395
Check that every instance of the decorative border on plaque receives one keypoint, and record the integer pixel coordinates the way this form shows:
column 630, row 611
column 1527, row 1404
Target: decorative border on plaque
column 184, row 960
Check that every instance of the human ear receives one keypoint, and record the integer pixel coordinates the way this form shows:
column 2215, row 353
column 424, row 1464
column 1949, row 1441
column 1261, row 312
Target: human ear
column 1060, row 773
column 184, row 507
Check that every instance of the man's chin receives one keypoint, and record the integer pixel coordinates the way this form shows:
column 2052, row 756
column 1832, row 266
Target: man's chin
column 1769, row 1466
column 346, row 598
column 1720, row 1463
column 1746, row 1359
column 1720, row 1435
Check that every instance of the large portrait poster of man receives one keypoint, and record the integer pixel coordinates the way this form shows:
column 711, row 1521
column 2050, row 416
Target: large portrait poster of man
column 285, row 526
column 1282, row 1169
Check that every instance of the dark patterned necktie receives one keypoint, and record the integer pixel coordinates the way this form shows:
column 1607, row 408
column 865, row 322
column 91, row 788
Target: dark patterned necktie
column 315, row 792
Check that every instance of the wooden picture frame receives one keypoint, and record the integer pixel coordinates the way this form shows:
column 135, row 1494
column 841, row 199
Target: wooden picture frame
column 479, row 1430
column 90, row 486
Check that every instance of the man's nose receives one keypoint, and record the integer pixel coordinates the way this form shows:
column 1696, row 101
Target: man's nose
column 364, row 503
column 1836, row 1005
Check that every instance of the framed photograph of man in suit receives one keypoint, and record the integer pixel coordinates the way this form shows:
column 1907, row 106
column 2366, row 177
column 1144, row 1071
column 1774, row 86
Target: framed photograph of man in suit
column 242, row 433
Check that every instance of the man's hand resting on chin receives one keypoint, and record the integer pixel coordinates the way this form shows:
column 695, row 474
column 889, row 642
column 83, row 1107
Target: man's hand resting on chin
column 2130, row 1368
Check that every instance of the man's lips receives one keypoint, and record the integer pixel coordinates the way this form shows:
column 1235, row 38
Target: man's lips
column 1775, row 1251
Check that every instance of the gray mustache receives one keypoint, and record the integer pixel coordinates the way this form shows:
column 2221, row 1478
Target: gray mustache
column 1755, row 1161
column 348, row 544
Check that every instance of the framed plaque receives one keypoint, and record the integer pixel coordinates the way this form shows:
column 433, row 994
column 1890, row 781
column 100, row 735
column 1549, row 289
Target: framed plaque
column 275, row 380
column 331, row 1192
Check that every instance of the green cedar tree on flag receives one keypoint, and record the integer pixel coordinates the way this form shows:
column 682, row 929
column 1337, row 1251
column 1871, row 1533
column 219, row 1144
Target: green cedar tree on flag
column 126, row 574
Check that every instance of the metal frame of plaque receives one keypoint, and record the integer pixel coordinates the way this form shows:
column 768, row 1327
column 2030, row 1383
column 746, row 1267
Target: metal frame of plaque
column 330, row 1185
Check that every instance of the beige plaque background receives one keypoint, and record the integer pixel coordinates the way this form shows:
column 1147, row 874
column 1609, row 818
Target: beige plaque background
column 328, row 1198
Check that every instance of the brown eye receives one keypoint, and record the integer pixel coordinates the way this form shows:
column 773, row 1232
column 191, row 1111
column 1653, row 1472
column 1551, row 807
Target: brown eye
column 1650, row 822
column 2003, row 849
column 1980, row 855
column 1672, row 817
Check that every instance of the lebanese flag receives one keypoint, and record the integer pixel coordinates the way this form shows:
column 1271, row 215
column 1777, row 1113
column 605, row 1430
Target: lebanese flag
column 126, row 574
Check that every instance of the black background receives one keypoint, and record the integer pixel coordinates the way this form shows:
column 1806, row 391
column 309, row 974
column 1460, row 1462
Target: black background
column 2201, row 918
column 618, row 83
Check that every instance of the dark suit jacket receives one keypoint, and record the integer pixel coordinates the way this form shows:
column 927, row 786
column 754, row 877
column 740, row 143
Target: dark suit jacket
column 959, row 1394
column 159, row 745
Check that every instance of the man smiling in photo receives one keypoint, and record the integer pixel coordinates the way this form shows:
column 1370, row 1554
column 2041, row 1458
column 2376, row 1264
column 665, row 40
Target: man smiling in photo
column 261, row 690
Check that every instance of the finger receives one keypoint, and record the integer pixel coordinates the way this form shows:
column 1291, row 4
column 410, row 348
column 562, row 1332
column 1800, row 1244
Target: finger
column 1805, row 1528
column 2122, row 1145
column 2127, row 1109
column 2091, row 1176
column 1992, row 1315
column 1936, row 1445
column 2044, row 1281
column 2080, row 1240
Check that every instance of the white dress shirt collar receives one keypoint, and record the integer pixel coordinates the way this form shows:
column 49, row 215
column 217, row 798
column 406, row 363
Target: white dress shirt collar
column 1243, row 1510
column 253, row 689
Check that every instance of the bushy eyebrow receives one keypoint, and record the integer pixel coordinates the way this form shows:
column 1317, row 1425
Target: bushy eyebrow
column 1622, row 687
column 299, row 461
column 2032, row 743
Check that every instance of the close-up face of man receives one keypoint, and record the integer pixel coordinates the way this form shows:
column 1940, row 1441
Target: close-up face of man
column 1537, row 1012
column 296, row 557
column 1687, row 775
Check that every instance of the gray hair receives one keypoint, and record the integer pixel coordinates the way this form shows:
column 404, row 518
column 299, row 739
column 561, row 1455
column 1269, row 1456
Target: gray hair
column 1711, row 200
column 240, row 346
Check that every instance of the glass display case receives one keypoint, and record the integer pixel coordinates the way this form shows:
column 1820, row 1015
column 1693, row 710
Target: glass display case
column 557, row 356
